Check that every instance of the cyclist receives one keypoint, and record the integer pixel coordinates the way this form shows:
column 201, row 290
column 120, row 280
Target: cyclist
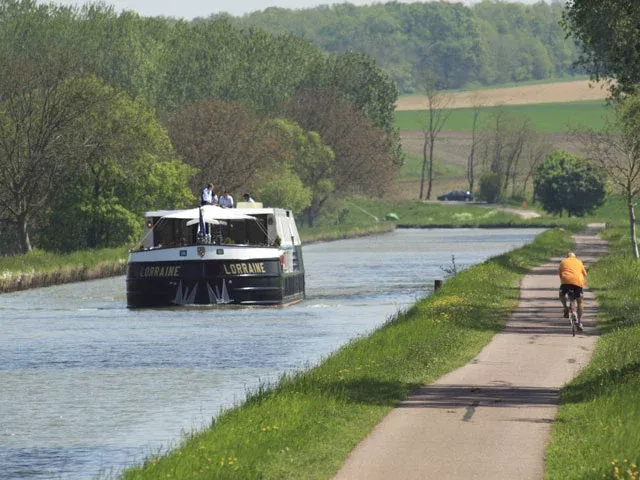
column 572, row 275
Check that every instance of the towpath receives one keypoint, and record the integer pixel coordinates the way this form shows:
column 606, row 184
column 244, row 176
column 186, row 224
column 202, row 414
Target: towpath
column 491, row 418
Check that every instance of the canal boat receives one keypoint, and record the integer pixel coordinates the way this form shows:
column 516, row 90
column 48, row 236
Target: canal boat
column 210, row 255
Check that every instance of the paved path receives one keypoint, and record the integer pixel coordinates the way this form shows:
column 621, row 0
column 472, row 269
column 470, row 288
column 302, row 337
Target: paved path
column 490, row 419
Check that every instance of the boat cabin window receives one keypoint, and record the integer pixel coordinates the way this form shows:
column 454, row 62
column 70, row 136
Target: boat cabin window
column 174, row 232
column 169, row 232
column 246, row 232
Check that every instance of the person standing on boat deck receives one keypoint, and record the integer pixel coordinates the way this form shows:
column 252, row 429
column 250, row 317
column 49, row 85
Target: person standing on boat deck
column 208, row 195
column 247, row 198
column 226, row 200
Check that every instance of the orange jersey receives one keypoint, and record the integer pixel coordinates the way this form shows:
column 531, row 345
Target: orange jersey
column 572, row 272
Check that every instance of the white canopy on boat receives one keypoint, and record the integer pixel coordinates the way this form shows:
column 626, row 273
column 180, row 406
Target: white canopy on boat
column 209, row 212
column 210, row 221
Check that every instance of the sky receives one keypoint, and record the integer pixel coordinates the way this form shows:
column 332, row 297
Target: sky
column 190, row 9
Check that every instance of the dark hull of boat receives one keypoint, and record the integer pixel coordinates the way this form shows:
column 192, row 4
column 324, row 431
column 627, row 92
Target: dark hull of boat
column 212, row 282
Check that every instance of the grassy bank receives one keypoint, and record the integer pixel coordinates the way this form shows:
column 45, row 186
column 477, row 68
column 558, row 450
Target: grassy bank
column 337, row 232
column 305, row 426
column 545, row 117
column 42, row 269
column 597, row 431
column 412, row 213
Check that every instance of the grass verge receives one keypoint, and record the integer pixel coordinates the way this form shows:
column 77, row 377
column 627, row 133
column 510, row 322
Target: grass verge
column 597, row 431
column 41, row 269
column 416, row 214
column 305, row 426
column 337, row 232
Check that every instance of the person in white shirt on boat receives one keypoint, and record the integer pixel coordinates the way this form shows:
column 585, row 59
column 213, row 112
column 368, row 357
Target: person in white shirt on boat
column 226, row 200
column 208, row 195
column 247, row 198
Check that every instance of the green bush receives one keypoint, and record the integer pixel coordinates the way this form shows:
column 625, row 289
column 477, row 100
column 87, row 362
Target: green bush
column 490, row 186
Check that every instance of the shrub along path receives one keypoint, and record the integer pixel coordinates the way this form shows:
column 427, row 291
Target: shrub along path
column 492, row 417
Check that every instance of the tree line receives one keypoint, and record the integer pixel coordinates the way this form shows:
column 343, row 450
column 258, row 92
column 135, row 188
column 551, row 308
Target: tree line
column 488, row 43
column 105, row 115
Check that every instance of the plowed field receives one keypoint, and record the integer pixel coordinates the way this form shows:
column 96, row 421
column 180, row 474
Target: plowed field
column 529, row 94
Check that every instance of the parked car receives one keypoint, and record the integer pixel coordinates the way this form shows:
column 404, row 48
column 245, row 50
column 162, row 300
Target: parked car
column 461, row 195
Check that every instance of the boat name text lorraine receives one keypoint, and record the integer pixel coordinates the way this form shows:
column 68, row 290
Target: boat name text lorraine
column 230, row 269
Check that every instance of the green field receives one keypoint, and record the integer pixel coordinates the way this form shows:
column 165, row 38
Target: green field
column 546, row 117
column 475, row 88
column 412, row 168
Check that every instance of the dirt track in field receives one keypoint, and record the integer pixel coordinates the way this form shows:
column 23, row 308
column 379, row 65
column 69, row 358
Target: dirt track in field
column 529, row 94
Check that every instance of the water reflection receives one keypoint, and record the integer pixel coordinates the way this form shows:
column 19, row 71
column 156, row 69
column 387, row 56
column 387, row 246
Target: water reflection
column 87, row 386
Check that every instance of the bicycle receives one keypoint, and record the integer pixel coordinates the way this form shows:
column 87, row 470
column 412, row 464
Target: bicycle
column 573, row 316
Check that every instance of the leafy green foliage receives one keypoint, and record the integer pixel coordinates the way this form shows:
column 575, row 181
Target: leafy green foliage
column 121, row 163
column 312, row 161
column 565, row 182
column 366, row 158
column 490, row 186
column 609, row 33
column 230, row 145
column 489, row 43
column 286, row 191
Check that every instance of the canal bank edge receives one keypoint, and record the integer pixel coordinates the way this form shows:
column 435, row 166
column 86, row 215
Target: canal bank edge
column 47, row 278
column 14, row 282
column 306, row 425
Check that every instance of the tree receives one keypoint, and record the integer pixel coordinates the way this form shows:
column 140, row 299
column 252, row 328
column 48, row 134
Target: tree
column 286, row 190
column 616, row 149
column 119, row 163
column 505, row 140
column 356, row 78
column 436, row 116
column 313, row 163
column 490, row 186
column 230, row 145
column 567, row 182
column 609, row 34
column 365, row 160
column 475, row 142
column 536, row 150
column 35, row 111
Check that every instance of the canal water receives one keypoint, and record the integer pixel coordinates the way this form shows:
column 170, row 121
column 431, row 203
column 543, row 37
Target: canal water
column 88, row 387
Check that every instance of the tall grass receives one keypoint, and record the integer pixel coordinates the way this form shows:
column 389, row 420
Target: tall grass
column 305, row 426
column 597, row 431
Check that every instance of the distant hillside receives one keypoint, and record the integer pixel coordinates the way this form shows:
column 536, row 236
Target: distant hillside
column 486, row 44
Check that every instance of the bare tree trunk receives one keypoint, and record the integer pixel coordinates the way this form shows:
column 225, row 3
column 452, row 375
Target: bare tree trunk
column 632, row 225
column 310, row 216
column 424, row 168
column 438, row 113
column 431, row 142
column 23, row 232
column 472, row 153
